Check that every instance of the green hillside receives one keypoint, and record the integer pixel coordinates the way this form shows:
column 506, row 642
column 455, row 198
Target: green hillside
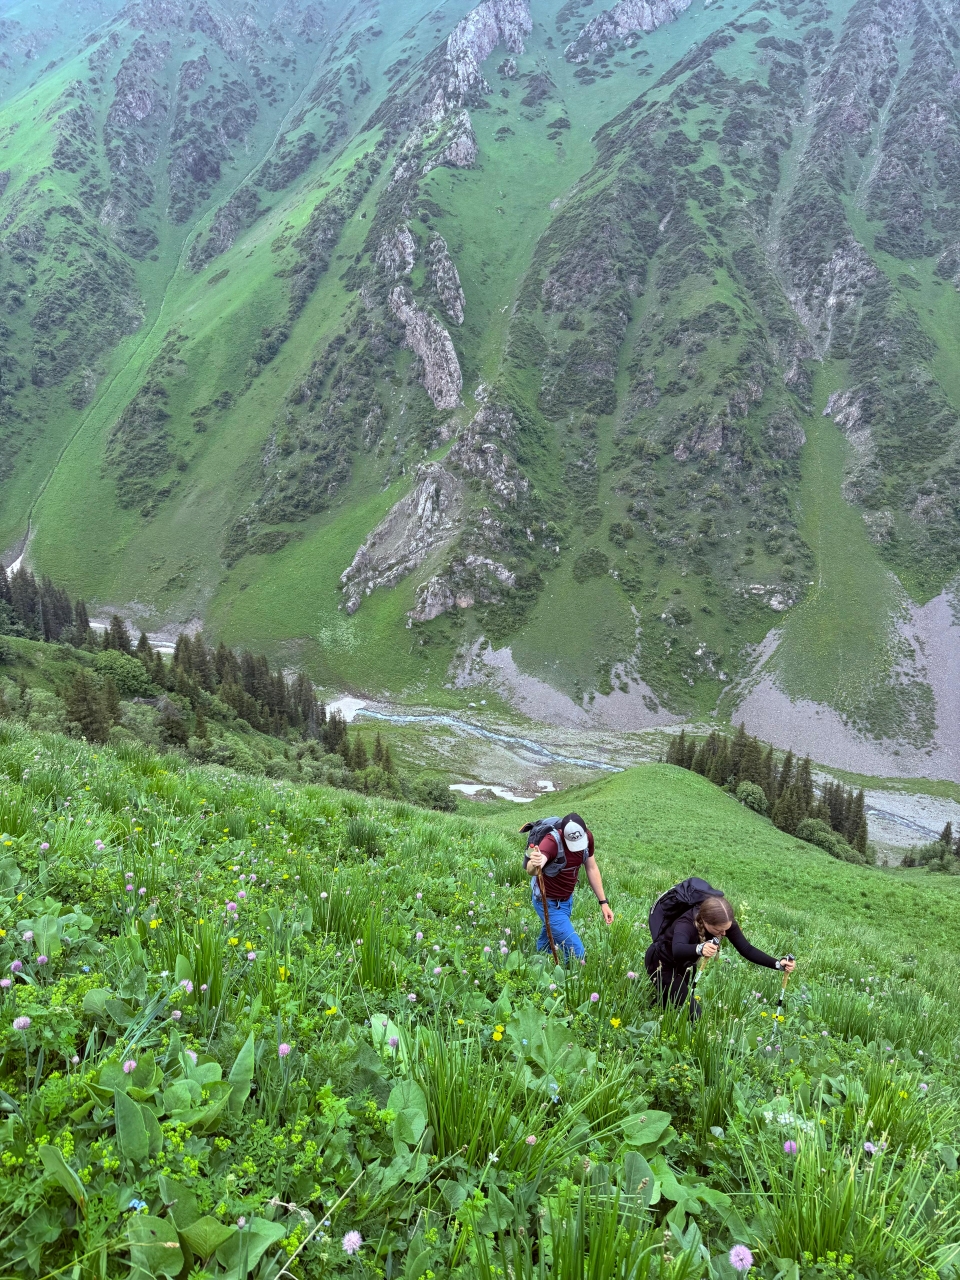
column 287, row 1030
column 572, row 292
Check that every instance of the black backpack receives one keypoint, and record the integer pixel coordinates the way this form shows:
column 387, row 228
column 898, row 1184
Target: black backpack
column 670, row 906
column 539, row 830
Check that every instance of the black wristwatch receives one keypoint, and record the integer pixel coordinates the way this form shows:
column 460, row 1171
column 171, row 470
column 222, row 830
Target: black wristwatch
column 603, row 902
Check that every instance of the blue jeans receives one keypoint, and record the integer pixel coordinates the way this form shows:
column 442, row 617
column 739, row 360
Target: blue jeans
column 565, row 936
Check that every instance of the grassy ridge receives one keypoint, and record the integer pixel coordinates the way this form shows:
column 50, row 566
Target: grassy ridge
column 307, row 999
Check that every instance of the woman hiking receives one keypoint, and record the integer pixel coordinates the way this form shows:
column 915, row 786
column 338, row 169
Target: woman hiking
column 696, row 933
column 574, row 850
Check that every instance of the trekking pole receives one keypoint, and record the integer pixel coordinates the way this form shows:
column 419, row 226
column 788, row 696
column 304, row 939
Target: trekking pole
column 693, row 987
column 783, row 990
column 546, row 917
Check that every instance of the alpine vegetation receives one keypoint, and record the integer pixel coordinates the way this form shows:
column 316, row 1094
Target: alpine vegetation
column 256, row 1028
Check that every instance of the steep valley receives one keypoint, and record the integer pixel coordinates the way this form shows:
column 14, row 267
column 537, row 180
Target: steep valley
column 601, row 359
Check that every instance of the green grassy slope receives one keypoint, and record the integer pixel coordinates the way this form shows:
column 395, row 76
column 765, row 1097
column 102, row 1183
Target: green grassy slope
column 390, row 952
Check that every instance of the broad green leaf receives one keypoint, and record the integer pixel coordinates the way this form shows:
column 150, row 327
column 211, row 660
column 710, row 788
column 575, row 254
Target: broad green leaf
column 206, row 1235
column 241, row 1075
column 205, row 1120
column 180, row 1201
column 646, row 1128
column 145, row 1075
column 132, row 1135
column 95, row 1001
column 247, row 1247
column 407, row 1096
column 637, row 1178
column 154, row 1246
column 183, row 970
column 180, row 1096
column 54, row 1163
column 154, row 1132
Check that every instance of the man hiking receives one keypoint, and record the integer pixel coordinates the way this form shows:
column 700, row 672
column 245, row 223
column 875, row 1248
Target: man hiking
column 559, row 855
column 688, row 923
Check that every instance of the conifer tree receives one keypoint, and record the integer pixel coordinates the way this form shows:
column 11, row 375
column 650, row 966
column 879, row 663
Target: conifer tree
column 786, row 773
column 787, row 813
column 805, row 784
column 751, row 763
column 111, row 701
column 677, row 751
column 85, row 708
column 378, row 750
column 200, row 725
column 769, row 781
column 946, row 836
column 119, row 636
column 360, row 758
column 737, row 748
column 388, row 766
column 81, row 625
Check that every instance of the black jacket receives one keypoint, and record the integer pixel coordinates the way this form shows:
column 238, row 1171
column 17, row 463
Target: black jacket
column 676, row 948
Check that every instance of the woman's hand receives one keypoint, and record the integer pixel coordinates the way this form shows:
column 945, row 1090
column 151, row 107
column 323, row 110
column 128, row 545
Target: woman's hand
column 709, row 950
column 788, row 965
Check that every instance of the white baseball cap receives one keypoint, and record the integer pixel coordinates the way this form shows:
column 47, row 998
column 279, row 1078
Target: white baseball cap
column 575, row 837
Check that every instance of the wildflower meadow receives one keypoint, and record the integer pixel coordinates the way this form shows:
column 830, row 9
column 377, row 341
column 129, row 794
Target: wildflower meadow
column 253, row 1029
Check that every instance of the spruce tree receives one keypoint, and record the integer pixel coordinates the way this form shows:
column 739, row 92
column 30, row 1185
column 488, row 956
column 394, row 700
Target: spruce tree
column 805, row 784
column 786, row 773
column 859, row 840
column 751, row 763
column 85, row 708
column 119, row 635
column 81, row 625
column 111, row 701
column 769, row 782
column 677, row 751
column 360, row 758
column 388, row 766
column 737, row 748
column 786, row 812
column 200, row 725
column 378, row 750
column 946, row 836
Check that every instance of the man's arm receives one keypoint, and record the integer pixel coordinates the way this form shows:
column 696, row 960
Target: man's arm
column 596, row 884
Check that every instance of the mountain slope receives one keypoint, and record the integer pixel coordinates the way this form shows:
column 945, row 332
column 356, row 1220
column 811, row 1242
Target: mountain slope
column 417, row 334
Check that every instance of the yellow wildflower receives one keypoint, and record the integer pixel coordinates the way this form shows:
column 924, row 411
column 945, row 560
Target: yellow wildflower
column 232, row 942
column 332, row 1010
column 283, row 971
column 498, row 1027
column 155, row 924
column 497, row 1035
column 459, row 1022
column 614, row 1022
column 248, row 946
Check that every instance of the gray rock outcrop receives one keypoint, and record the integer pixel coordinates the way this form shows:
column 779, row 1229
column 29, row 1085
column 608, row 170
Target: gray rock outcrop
column 424, row 521
column 458, row 78
column 472, row 580
column 446, row 280
column 397, row 253
column 481, row 453
column 460, row 151
column 623, row 20
column 430, row 342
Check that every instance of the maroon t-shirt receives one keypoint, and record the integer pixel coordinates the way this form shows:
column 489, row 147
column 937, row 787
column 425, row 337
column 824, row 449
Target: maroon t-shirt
column 562, row 885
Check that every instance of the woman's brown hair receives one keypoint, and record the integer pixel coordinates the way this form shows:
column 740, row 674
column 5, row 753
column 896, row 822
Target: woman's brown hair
column 714, row 914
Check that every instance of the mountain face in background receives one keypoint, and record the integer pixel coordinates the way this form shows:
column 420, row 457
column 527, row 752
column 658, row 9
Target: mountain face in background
column 607, row 356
